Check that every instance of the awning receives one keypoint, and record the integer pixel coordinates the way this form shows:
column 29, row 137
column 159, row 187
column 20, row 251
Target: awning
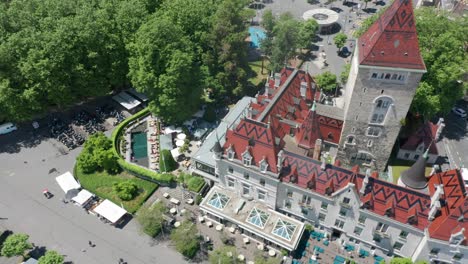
column 126, row 100
column 67, row 182
column 172, row 129
column 110, row 211
column 83, row 197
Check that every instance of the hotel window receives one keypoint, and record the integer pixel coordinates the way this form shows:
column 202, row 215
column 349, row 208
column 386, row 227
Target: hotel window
column 230, row 154
column 324, row 206
column 374, row 75
column 373, row 131
column 321, row 217
column 304, row 211
column 262, row 182
column 246, row 176
column 339, row 223
column 261, row 195
column 362, row 219
column 382, row 227
column 358, row 230
column 245, row 189
column 263, row 166
column 397, row 246
column 343, row 212
column 458, row 256
column 230, row 182
column 289, row 193
column 434, row 251
column 346, row 200
column 403, row 234
column 230, row 170
column 287, row 204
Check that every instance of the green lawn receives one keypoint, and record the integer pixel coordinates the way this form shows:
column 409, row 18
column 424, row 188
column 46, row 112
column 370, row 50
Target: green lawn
column 194, row 183
column 257, row 76
column 100, row 183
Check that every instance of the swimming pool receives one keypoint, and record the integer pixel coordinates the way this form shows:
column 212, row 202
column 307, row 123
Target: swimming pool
column 139, row 145
column 256, row 35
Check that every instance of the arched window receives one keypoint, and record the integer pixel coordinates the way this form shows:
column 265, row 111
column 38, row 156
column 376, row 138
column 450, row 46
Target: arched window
column 382, row 104
column 387, row 76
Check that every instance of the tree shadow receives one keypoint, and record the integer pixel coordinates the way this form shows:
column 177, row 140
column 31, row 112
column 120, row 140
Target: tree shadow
column 313, row 2
column 380, row 3
column 337, row 9
column 38, row 252
column 370, row 10
column 350, row 4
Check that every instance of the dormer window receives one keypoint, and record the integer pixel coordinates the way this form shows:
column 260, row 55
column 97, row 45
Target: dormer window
column 303, row 89
column 230, row 153
column 263, row 165
column 457, row 238
column 247, row 159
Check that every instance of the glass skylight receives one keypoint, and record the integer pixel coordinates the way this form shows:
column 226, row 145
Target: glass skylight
column 258, row 217
column 284, row 229
column 218, row 200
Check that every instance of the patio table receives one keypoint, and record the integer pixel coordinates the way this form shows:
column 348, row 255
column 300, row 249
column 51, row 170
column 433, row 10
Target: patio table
column 232, row 230
column 246, row 240
column 241, row 257
column 271, row 253
column 201, row 219
column 219, row 227
column 209, row 224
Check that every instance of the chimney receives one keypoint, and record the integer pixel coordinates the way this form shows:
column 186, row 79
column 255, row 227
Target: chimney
column 365, row 182
column 277, row 79
column 440, row 127
column 279, row 164
column 324, row 164
column 317, row 149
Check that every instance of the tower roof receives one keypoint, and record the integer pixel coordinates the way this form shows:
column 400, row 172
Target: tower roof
column 392, row 40
column 415, row 176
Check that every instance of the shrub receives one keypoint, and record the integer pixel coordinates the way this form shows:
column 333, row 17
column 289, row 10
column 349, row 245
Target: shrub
column 284, row 252
column 87, row 162
column 195, row 183
column 198, row 199
column 15, row 245
column 309, row 227
column 51, row 257
column 167, row 162
column 137, row 170
column 125, row 190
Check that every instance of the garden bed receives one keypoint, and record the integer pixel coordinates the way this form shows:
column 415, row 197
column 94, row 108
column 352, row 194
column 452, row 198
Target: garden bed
column 100, row 183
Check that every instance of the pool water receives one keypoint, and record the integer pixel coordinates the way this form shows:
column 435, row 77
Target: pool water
column 139, row 145
column 256, row 36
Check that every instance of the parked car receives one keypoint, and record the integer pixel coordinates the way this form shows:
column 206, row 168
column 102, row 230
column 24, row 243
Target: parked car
column 459, row 112
column 7, row 128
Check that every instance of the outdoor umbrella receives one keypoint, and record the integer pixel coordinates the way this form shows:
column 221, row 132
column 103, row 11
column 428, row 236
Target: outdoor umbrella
column 71, row 193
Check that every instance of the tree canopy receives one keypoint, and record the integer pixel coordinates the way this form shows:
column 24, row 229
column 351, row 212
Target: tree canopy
column 340, row 40
column 224, row 255
column 125, row 190
column 442, row 42
column 150, row 218
column 97, row 154
column 186, row 239
column 51, row 257
column 15, row 245
column 326, row 81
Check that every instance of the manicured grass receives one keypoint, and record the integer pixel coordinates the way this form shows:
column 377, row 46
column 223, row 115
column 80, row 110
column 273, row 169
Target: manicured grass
column 397, row 170
column 257, row 76
column 194, row 183
column 100, row 183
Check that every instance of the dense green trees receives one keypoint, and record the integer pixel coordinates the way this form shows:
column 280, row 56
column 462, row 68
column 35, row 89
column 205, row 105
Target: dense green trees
column 97, row 154
column 51, row 257
column 15, row 245
column 54, row 53
column 326, row 81
column 442, row 42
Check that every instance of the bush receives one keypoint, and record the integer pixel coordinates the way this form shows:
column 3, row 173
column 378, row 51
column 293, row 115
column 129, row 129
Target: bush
column 195, row 183
column 198, row 199
column 51, row 257
column 15, row 245
column 284, row 252
column 309, row 227
column 137, row 170
column 97, row 154
column 125, row 190
column 167, row 162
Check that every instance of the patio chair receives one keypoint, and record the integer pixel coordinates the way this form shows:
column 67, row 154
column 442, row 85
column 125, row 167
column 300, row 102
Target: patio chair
column 326, row 242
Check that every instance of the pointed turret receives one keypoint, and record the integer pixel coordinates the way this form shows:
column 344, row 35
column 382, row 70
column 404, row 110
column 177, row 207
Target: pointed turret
column 392, row 40
column 415, row 177
column 310, row 130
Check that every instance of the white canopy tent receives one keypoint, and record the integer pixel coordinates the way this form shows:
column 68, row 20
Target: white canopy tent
column 110, row 211
column 175, row 153
column 67, row 182
column 172, row 129
column 83, row 197
column 179, row 143
column 126, row 100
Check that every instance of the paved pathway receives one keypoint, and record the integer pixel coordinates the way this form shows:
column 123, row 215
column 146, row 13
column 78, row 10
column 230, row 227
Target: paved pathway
column 24, row 173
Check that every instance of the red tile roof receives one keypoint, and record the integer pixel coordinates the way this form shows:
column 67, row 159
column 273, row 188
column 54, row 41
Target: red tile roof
column 379, row 195
column 392, row 40
column 258, row 138
column 425, row 134
column 454, row 212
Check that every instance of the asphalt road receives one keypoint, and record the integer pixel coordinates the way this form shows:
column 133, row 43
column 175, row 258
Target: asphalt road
column 25, row 162
column 455, row 139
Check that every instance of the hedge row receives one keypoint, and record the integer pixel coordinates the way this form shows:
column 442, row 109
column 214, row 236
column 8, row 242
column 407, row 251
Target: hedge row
column 132, row 168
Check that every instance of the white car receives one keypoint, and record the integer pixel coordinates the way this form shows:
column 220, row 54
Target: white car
column 459, row 112
column 7, row 128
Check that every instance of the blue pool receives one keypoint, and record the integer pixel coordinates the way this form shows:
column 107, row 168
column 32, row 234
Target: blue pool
column 256, row 35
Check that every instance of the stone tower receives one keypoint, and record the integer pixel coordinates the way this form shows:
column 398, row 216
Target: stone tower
column 385, row 72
